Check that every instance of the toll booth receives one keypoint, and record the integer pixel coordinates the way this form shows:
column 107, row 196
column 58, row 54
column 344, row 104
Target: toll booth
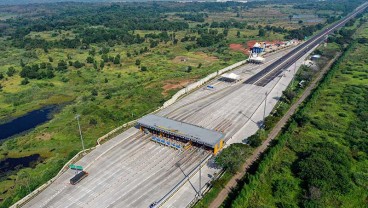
column 181, row 131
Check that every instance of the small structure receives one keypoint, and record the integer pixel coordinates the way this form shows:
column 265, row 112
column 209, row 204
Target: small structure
column 257, row 48
column 315, row 57
column 230, row 77
column 182, row 132
column 256, row 59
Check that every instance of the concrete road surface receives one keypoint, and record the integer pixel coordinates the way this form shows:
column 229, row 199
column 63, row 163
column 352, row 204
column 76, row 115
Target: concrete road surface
column 131, row 171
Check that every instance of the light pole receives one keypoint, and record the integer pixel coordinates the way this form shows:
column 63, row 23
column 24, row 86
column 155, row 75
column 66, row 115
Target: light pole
column 264, row 111
column 80, row 131
column 293, row 76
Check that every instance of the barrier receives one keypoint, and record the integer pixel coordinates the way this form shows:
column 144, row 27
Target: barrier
column 166, row 143
column 199, row 83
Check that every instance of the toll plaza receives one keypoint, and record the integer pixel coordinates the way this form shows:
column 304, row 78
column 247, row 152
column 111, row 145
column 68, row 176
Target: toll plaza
column 180, row 135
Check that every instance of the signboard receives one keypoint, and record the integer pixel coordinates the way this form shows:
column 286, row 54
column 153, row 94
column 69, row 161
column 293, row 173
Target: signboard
column 75, row 167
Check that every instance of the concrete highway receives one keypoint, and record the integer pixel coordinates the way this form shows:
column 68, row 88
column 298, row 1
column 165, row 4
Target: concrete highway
column 132, row 171
column 275, row 69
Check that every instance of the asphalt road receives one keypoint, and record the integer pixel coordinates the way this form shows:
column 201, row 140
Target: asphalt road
column 275, row 69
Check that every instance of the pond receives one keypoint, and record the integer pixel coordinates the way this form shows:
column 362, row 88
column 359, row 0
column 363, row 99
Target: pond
column 11, row 164
column 27, row 122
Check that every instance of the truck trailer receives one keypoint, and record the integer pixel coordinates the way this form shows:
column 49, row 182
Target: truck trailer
column 78, row 177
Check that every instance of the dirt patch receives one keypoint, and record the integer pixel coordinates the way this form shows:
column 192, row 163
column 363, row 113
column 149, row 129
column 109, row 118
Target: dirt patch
column 44, row 136
column 199, row 57
column 238, row 47
column 181, row 59
column 174, row 84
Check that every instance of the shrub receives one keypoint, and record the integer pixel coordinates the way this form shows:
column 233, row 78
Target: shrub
column 25, row 81
column 11, row 71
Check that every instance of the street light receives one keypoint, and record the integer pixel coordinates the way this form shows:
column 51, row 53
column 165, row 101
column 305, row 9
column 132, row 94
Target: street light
column 264, row 111
column 80, row 131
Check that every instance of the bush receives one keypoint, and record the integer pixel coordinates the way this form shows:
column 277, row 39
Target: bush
column 11, row 71
column 232, row 157
column 256, row 139
column 143, row 68
column 25, row 81
column 93, row 122
column 94, row 92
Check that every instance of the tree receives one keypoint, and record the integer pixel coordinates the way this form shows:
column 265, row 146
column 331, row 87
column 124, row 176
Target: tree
column 137, row 62
column 189, row 69
column 238, row 34
column 92, row 52
column 300, row 21
column 102, row 65
column 51, row 59
column 117, row 59
column 106, row 80
column 78, row 64
column 262, row 32
column 108, row 96
column 1, row 76
column 289, row 95
column 199, row 65
column 11, row 71
column 105, row 57
column 62, row 66
column 143, row 68
column 93, row 122
column 94, row 92
column 22, row 64
column 90, row 59
column 232, row 157
column 256, row 139
column 290, row 17
column 188, row 47
column 25, row 81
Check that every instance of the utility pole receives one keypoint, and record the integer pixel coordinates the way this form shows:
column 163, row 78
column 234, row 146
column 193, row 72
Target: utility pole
column 264, row 111
column 200, row 179
column 80, row 131
column 292, row 80
column 200, row 185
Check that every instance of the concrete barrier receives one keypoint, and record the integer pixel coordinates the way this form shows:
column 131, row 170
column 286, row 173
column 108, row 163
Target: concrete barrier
column 199, row 83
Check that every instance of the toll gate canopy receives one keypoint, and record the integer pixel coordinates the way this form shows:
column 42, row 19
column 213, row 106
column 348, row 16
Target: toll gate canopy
column 199, row 135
